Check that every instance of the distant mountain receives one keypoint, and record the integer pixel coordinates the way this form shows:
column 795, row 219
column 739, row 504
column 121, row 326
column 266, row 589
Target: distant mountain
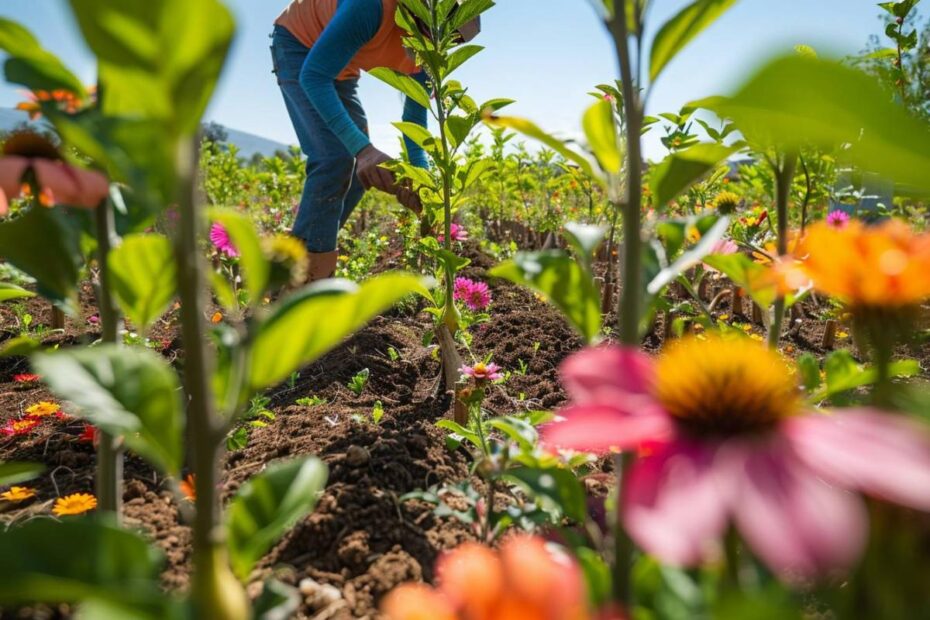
column 249, row 144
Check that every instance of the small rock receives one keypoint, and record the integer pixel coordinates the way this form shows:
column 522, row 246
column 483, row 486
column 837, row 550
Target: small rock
column 356, row 456
column 318, row 595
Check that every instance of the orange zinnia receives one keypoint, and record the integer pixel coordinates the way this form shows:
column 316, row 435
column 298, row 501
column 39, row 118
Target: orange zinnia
column 886, row 265
column 523, row 580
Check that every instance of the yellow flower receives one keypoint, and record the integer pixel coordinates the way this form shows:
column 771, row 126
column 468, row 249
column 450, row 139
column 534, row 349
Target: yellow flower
column 74, row 504
column 726, row 202
column 693, row 234
column 760, row 387
column 18, row 494
column 42, row 409
column 887, row 265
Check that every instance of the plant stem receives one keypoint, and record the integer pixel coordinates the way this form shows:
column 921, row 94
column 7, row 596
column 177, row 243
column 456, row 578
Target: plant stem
column 213, row 592
column 784, row 174
column 109, row 482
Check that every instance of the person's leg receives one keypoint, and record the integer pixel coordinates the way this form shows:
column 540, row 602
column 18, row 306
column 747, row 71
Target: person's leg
column 348, row 93
column 329, row 166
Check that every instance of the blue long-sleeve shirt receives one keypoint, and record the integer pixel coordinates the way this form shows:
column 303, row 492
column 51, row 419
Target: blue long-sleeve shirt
column 354, row 24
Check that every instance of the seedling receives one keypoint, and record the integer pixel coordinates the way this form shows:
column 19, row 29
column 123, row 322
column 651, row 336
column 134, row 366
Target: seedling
column 393, row 354
column 359, row 381
column 311, row 401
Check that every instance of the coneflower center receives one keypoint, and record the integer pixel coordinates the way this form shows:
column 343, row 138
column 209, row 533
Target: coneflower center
column 725, row 386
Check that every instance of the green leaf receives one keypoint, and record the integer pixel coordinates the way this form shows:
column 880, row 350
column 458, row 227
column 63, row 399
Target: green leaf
column 809, row 369
column 143, row 276
column 691, row 257
column 403, row 83
column 278, row 601
column 420, row 135
column 125, row 391
column 252, row 260
column 584, row 238
column 470, row 10
column 563, row 281
column 555, row 484
column 681, row 169
column 11, row 291
column 458, row 128
column 307, row 324
column 458, row 429
column 14, row 473
column 43, row 244
column 599, row 128
column 33, row 66
column 20, row 346
column 267, row 506
column 681, row 29
column 797, row 101
column 530, row 129
column 747, row 274
column 457, row 58
column 518, row 430
column 157, row 60
column 47, row 561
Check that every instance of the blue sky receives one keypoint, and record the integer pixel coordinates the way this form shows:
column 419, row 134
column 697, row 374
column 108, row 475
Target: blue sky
column 546, row 54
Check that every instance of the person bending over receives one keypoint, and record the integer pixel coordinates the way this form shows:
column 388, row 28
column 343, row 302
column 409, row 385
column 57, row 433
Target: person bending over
column 319, row 48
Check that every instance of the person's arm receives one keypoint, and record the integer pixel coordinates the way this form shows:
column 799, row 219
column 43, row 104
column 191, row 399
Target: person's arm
column 355, row 23
column 415, row 113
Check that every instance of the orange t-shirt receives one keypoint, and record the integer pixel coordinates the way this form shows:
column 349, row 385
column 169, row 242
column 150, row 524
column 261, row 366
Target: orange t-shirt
column 306, row 20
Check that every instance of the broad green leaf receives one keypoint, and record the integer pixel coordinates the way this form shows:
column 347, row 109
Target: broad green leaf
column 772, row 603
column 267, row 506
column 563, row 281
column 530, row 129
column 157, row 60
column 33, row 66
column 470, row 10
column 11, row 291
column 691, row 257
column 681, row 29
column 164, row 609
column 809, row 370
column 43, row 244
column 842, row 373
column 14, row 472
column 584, row 238
column 307, row 324
column 143, row 275
column 458, row 128
column 460, row 56
column 125, row 391
column 797, row 101
column 681, row 169
column 47, row 561
column 403, row 83
column 242, row 232
column 558, row 486
column 20, row 346
column 599, row 128
column 518, row 430
column 420, row 135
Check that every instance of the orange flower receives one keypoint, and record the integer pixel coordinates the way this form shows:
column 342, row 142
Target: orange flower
column 67, row 102
column 58, row 182
column 74, row 504
column 887, row 265
column 189, row 488
column 523, row 580
column 42, row 409
column 18, row 494
column 20, row 426
column 216, row 318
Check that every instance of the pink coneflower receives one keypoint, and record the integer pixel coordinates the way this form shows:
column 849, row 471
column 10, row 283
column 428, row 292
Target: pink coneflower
column 457, row 233
column 482, row 372
column 475, row 295
column 93, row 319
column 221, row 241
column 724, row 437
column 837, row 219
column 723, row 247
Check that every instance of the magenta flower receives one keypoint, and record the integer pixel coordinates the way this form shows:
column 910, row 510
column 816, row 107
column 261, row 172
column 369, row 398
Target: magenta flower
column 837, row 219
column 457, row 233
column 724, row 437
column 482, row 372
column 221, row 241
column 475, row 295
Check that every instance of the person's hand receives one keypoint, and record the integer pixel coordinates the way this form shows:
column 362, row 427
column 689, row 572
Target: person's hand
column 409, row 199
column 369, row 172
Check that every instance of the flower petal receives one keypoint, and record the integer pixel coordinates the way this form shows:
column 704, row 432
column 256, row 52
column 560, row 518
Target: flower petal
column 70, row 185
column 674, row 505
column 416, row 601
column 795, row 522
column 884, row 455
column 12, row 169
column 596, row 428
column 604, row 374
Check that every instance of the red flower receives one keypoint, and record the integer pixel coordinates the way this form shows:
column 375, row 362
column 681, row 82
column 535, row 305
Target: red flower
column 19, row 426
column 26, row 378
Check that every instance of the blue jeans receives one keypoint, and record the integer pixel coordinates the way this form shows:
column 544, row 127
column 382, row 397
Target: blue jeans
column 332, row 189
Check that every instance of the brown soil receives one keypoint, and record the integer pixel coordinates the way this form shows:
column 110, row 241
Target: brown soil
column 360, row 539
